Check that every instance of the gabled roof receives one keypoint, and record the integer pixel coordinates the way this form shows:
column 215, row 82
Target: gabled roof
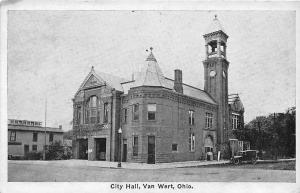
column 111, row 80
column 194, row 92
column 215, row 26
column 100, row 78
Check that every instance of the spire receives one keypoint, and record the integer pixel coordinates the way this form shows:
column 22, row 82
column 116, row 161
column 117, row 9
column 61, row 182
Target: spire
column 92, row 69
column 151, row 56
column 215, row 26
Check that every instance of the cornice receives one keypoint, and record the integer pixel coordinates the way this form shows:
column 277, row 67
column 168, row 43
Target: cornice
column 173, row 96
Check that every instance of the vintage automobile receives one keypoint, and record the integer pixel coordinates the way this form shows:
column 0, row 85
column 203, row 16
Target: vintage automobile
column 248, row 156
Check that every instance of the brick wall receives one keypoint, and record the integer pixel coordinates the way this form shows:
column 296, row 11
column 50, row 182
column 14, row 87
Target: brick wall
column 171, row 126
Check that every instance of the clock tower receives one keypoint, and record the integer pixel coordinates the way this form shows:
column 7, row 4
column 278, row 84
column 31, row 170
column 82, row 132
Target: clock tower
column 216, row 75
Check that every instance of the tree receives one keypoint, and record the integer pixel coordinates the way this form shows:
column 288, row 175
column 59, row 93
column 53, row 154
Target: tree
column 273, row 134
column 68, row 134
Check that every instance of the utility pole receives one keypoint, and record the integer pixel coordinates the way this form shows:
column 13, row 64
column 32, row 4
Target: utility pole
column 44, row 153
column 275, row 136
column 260, row 138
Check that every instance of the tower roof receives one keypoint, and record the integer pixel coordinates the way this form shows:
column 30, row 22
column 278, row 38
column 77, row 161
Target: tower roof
column 151, row 74
column 215, row 26
column 236, row 103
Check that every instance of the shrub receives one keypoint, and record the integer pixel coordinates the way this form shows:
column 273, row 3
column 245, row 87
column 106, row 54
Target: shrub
column 58, row 152
column 33, row 155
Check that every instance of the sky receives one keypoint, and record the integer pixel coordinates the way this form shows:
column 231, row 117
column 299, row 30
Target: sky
column 51, row 52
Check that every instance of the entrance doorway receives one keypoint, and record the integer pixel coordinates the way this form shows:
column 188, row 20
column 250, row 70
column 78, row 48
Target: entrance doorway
column 124, row 157
column 100, row 149
column 83, row 149
column 26, row 150
column 208, row 146
column 151, row 150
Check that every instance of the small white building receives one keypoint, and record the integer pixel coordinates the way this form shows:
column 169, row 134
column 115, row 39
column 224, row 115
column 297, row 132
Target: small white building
column 27, row 136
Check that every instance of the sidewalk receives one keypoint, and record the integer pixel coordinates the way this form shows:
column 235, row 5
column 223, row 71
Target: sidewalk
column 125, row 165
column 276, row 161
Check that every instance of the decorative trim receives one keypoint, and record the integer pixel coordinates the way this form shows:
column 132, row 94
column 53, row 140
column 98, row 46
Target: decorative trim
column 89, row 130
column 177, row 97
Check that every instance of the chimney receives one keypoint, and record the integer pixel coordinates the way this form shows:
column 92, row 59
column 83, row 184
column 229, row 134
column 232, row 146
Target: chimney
column 178, row 81
column 60, row 127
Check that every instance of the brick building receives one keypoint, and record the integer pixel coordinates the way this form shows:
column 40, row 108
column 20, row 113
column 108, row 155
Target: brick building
column 26, row 136
column 161, row 119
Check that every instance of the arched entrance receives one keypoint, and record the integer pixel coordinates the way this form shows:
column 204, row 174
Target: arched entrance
column 208, row 146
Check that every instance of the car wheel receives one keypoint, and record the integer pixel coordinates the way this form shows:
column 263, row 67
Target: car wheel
column 237, row 161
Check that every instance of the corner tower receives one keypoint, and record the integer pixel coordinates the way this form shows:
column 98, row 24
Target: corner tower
column 216, row 74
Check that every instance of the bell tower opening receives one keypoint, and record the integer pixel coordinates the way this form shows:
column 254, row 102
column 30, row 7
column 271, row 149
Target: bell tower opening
column 216, row 48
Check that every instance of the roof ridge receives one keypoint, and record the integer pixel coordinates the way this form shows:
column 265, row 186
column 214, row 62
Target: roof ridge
column 96, row 71
column 187, row 84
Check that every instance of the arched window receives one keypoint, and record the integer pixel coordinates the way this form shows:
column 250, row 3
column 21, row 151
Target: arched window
column 91, row 110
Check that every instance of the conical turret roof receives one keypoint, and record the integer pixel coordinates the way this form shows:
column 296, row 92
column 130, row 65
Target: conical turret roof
column 151, row 74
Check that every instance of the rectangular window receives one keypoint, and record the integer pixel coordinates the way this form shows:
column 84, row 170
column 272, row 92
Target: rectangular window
column 135, row 145
column 235, row 121
column 125, row 115
column 192, row 142
column 98, row 111
column 78, row 117
column 151, row 111
column 35, row 137
column 135, row 112
column 191, row 117
column 208, row 120
column 105, row 113
column 51, row 137
column 93, row 116
column 12, row 136
column 34, row 147
column 208, row 149
column 87, row 115
column 174, row 147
